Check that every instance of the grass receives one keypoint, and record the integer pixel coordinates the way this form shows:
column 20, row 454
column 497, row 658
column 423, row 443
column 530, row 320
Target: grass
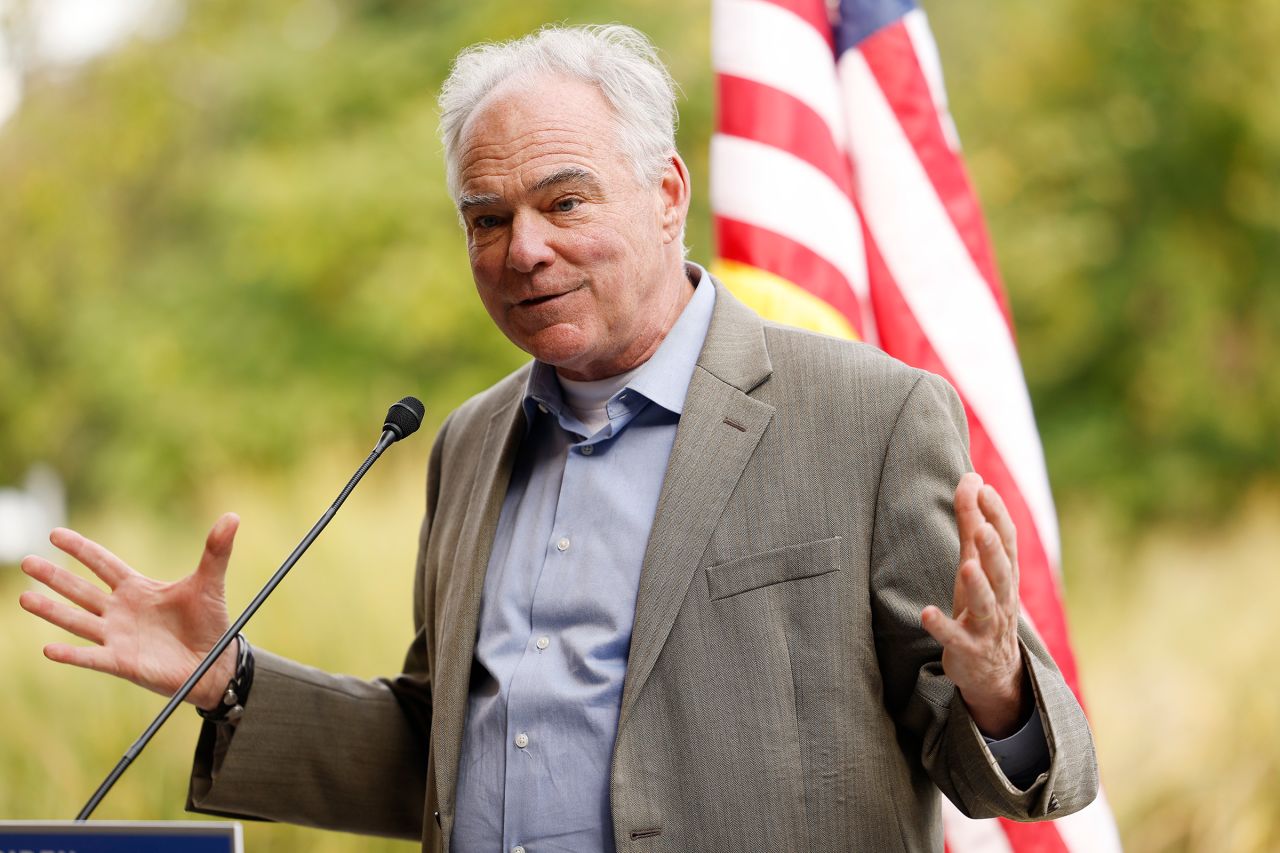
column 1174, row 632
column 1176, row 636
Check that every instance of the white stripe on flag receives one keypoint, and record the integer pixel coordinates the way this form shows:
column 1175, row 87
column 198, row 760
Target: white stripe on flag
column 926, row 49
column 770, row 188
column 765, row 43
column 1090, row 830
column 965, row 835
column 943, row 288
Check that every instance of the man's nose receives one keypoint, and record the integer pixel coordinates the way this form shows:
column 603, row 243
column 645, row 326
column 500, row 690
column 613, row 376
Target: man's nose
column 529, row 247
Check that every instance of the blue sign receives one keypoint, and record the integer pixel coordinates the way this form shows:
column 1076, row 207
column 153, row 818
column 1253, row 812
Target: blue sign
column 102, row 836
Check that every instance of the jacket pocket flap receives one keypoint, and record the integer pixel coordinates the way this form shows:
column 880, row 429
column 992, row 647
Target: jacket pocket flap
column 791, row 562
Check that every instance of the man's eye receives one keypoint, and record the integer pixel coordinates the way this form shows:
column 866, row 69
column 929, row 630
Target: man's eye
column 565, row 205
column 488, row 221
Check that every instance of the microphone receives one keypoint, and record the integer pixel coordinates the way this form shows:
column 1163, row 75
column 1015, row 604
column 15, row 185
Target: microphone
column 403, row 419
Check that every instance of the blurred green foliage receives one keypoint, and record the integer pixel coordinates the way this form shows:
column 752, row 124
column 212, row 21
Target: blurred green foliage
column 1129, row 159
column 228, row 248
column 225, row 247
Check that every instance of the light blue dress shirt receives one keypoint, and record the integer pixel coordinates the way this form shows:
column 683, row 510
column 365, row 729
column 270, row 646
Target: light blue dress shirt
column 558, row 604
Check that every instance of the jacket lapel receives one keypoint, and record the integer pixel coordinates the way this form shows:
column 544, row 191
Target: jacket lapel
column 461, row 608
column 719, row 430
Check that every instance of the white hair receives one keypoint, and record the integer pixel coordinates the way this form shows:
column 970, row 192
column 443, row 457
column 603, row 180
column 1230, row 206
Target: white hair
column 619, row 60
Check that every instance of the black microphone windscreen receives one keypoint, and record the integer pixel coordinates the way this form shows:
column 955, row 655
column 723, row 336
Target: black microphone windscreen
column 404, row 417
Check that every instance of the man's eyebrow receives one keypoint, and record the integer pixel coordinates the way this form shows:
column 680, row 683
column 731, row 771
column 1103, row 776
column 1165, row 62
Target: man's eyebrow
column 567, row 175
column 469, row 200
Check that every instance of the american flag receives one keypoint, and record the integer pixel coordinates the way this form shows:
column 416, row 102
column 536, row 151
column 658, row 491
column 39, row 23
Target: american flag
column 842, row 204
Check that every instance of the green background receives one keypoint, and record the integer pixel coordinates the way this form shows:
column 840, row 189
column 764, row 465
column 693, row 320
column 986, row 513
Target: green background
column 224, row 249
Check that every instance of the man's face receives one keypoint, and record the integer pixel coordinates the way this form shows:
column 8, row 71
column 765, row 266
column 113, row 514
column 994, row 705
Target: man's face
column 573, row 256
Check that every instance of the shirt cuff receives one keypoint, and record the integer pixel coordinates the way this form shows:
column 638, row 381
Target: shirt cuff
column 1024, row 755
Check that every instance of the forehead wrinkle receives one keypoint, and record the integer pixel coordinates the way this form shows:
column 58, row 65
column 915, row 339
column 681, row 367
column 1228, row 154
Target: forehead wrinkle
column 570, row 137
column 517, row 130
column 502, row 152
column 484, row 171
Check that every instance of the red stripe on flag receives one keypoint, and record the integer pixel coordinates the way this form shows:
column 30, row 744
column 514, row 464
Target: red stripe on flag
column 764, row 114
column 1033, row 837
column 813, row 13
column 785, row 258
column 892, row 59
column 901, row 335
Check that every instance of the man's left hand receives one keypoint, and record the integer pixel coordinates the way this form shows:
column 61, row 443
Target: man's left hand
column 980, row 651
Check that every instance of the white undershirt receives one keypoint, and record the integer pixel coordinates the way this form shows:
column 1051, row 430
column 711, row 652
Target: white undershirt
column 589, row 399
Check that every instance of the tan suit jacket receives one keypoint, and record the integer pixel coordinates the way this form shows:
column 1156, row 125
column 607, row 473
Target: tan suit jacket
column 780, row 693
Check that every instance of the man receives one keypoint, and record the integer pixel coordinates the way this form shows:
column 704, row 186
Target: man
column 679, row 579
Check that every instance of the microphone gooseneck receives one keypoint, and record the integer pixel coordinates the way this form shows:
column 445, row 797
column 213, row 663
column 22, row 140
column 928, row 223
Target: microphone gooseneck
column 403, row 419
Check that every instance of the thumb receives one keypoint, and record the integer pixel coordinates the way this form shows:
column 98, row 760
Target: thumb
column 943, row 629
column 217, row 549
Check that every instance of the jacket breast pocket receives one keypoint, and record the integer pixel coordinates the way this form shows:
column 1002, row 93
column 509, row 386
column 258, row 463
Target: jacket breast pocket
column 789, row 563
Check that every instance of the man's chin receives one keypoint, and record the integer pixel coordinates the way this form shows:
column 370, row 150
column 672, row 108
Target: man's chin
column 573, row 358
column 561, row 345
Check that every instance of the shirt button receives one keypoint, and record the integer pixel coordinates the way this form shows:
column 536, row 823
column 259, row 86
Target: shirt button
column 522, row 740
column 588, row 449
column 517, row 849
column 563, row 544
column 543, row 642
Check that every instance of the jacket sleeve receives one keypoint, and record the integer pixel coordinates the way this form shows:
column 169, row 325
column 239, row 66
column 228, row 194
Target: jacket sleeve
column 324, row 750
column 915, row 553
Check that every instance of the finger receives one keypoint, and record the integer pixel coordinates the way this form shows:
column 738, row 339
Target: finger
column 968, row 515
column 981, row 611
column 217, row 548
column 960, row 594
column 68, row 618
column 87, row 657
column 99, row 560
column 996, row 566
column 67, row 584
column 941, row 627
column 997, row 514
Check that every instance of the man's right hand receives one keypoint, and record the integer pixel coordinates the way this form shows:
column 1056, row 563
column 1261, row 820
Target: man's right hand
column 146, row 631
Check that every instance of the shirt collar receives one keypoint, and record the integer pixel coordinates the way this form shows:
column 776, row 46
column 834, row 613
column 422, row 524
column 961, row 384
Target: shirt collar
column 664, row 378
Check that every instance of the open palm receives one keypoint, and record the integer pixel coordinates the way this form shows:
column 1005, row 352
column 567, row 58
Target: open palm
column 149, row 632
column 980, row 649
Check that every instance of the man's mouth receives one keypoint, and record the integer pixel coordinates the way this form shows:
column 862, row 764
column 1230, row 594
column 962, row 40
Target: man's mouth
column 539, row 300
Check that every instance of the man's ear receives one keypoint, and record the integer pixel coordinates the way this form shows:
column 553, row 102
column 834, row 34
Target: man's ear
column 674, row 191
